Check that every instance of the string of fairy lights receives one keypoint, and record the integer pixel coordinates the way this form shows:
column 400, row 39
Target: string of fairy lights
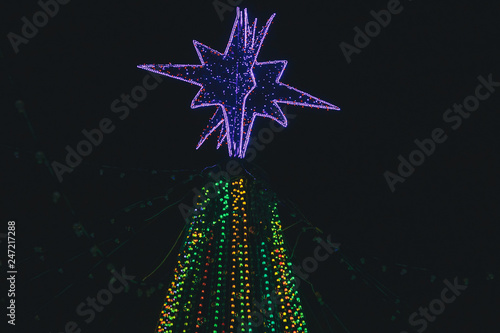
column 287, row 294
column 251, row 254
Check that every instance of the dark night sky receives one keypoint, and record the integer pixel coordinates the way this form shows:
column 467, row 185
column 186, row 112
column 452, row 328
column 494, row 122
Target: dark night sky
column 442, row 222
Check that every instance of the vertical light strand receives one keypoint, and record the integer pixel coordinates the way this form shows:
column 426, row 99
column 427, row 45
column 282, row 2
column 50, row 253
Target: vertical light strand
column 196, row 266
column 240, row 270
column 204, row 292
column 174, row 298
column 246, row 287
column 290, row 309
column 180, row 293
column 266, row 305
column 197, row 244
column 263, row 284
column 204, row 288
column 225, row 296
column 217, row 314
column 234, row 259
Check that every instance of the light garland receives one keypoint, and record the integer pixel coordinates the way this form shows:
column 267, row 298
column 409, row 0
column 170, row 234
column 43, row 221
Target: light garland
column 233, row 257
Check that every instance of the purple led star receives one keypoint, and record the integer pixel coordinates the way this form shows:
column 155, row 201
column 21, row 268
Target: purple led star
column 240, row 87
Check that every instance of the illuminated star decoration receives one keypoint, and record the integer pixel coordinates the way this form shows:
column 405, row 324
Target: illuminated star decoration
column 241, row 87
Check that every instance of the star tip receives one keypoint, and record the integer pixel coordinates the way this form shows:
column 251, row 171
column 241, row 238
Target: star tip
column 198, row 145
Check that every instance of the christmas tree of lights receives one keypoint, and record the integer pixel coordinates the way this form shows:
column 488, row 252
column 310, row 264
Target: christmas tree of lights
column 233, row 273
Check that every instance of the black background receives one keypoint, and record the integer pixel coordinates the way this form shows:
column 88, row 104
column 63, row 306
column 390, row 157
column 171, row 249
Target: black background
column 441, row 223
